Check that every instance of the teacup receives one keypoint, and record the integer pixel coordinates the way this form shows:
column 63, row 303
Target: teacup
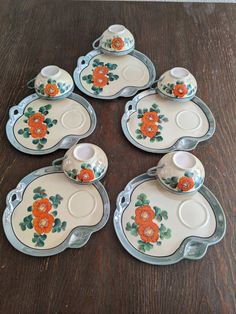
column 177, row 84
column 52, row 83
column 116, row 40
column 180, row 172
column 84, row 163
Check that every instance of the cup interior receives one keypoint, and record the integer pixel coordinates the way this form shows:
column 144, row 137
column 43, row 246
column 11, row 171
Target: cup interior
column 184, row 160
column 83, row 152
column 116, row 29
column 50, row 70
column 179, row 73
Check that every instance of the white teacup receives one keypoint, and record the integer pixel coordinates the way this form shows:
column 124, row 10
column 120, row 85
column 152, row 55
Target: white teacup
column 52, row 83
column 84, row 163
column 117, row 40
column 177, row 84
column 180, row 172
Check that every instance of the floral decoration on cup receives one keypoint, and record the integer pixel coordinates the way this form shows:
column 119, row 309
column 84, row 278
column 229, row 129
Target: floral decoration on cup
column 85, row 174
column 185, row 183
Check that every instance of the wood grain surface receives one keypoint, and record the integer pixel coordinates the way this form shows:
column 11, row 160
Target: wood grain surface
column 102, row 277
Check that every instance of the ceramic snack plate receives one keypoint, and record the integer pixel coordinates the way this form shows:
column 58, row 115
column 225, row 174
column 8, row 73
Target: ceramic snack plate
column 48, row 213
column 158, row 125
column 38, row 126
column 107, row 77
column 161, row 228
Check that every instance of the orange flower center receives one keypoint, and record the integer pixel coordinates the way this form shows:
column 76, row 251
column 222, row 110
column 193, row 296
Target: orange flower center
column 145, row 215
column 42, row 207
column 43, row 223
column 38, row 130
column 148, row 232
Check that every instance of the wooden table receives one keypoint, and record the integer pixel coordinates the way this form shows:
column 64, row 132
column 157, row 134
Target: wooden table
column 102, row 277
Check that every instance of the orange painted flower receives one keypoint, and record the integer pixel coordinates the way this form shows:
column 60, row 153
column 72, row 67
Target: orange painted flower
column 51, row 90
column 38, row 131
column 149, row 232
column 144, row 214
column 117, row 43
column 43, row 223
column 150, row 117
column 35, row 119
column 100, row 81
column 41, row 206
column 185, row 184
column 86, row 175
column 149, row 129
column 180, row 90
column 100, row 71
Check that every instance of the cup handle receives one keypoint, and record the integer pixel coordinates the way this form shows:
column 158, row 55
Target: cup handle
column 57, row 162
column 30, row 84
column 94, row 43
column 154, row 84
column 152, row 172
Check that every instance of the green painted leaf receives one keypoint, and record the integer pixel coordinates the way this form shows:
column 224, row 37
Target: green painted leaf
column 48, row 107
column 63, row 225
column 20, row 131
column 139, row 203
column 23, row 226
column 128, row 226
column 43, row 140
column 35, row 141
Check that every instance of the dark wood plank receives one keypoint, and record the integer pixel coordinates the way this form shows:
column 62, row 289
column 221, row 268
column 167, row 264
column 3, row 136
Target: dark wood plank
column 102, row 277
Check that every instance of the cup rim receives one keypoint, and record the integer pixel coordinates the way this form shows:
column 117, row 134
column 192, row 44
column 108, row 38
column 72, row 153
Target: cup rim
column 188, row 163
column 116, row 29
column 81, row 155
column 50, row 71
column 179, row 73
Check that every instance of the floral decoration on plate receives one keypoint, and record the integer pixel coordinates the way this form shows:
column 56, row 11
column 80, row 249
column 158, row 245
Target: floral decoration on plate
column 147, row 226
column 42, row 217
column 52, row 88
column 179, row 89
column 85, row 174
column 185, row 183
column 101, row 75
column 118, row 43
column 37, row 125
column 150, row 125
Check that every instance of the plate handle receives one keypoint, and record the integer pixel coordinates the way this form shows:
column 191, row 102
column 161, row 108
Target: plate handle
column 186, row 144
column 14, row 113
column 95, row 42
column 129, row 106
column 82, row 62
column 79, row 238
column 195, row 250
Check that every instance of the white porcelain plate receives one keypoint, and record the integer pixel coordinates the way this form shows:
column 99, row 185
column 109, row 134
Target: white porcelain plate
column 38, row 126
column 47, row 212
column 158, row 125
column 105, row 76
column 160, row 227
